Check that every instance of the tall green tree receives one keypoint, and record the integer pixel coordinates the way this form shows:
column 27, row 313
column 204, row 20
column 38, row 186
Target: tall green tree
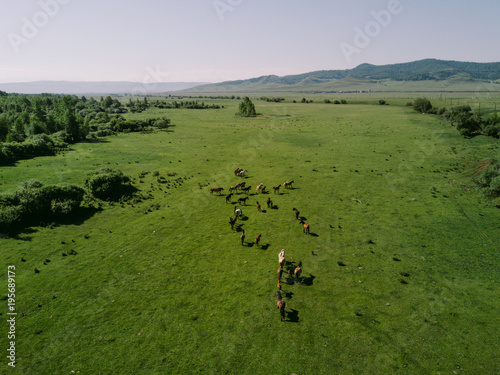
column 247, row 108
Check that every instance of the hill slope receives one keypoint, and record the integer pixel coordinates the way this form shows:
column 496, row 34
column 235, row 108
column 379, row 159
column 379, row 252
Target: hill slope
column 428, row 74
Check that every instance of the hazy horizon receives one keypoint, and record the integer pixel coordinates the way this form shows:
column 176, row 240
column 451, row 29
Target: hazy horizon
column 222, row 40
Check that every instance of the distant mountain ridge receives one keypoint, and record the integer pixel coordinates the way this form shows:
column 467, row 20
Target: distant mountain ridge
column 427, row 74
column 110, row 87
column 416, row 71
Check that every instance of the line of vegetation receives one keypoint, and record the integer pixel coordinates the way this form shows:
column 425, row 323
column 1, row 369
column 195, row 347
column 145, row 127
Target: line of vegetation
column 138, row 106
column 470, row 124
column 273, row 100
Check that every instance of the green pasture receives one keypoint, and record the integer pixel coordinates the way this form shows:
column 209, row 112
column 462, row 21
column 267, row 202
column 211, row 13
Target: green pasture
column 400, row 271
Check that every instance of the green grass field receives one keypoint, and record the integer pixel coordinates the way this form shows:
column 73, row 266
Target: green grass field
column 400, row 269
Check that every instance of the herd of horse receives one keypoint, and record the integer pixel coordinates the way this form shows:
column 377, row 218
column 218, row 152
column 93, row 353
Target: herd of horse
column 238, row 213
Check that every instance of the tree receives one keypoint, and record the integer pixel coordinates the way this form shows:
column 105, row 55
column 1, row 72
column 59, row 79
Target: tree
column 422, row 105
column 247, row 108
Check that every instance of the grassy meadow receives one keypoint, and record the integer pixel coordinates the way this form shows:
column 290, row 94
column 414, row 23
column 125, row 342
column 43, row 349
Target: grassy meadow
column 400, row 271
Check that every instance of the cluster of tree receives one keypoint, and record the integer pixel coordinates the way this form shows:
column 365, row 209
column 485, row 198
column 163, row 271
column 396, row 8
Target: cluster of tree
column 34, row 203
column 328, row 101
column 467, row 121
column 274, row 100
column 180, row 97
column 184, row 104
column 138, row 106
column 33, row 125
column 247, row 108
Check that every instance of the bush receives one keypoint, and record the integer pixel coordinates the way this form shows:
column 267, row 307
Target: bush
column 422, row 105
column 492, row 131
column 489, row 177
column 106, row 184
column 34, row 203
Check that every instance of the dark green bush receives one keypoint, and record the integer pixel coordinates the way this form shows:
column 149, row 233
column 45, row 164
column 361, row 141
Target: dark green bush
column 489, row 177
column 34, row 203
column 106, row 184
column 422, row 105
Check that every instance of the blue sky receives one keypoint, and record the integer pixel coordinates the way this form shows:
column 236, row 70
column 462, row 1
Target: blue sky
column 218, row 40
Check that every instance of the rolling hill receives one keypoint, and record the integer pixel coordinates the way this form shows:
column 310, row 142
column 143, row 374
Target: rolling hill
column 422, row 75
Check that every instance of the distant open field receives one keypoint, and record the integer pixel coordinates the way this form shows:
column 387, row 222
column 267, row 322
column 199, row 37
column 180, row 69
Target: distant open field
column 400, row 269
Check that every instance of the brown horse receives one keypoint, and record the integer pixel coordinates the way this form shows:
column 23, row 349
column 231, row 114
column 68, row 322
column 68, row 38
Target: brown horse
column 276, row 189
column 232, row 221
column 298, row 270
column 216, row 190
column 242, row 237
column 242, row 200
column 257, row 240
column 246, row 189
column 281, row 306
column 297, row 212
column 305, row 227
column 269, row 202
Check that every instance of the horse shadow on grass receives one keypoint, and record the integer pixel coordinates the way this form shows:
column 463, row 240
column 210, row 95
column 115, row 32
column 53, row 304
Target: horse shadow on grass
column 274, row 207
column 293, row 316
column 288, row 295
column 308, row 281
column 265, row 246
column 313, row 234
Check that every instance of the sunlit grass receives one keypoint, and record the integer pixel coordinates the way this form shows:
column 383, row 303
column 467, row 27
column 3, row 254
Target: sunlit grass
column 164, row 285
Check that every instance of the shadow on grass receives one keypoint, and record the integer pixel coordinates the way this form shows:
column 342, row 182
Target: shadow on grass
column 293, row 316
column 288, row 295
column 265, row 247
column 21, row 231
column 308, row 281
column 313, row 234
